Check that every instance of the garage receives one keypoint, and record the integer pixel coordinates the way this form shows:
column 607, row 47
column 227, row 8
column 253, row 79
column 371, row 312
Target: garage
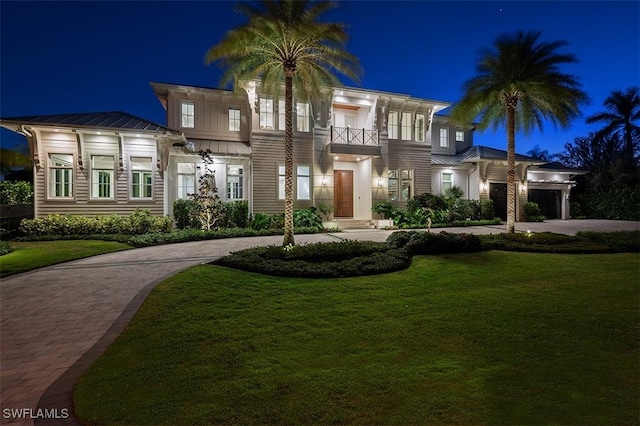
column 549, row 201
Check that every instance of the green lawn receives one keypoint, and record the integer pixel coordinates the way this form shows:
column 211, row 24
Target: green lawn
column 490, row 337
column 32, row 255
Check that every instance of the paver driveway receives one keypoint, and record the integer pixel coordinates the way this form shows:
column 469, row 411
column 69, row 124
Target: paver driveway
column 57, row 320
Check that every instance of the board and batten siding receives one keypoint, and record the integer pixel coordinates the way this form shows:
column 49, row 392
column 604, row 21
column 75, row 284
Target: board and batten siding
column 268, row 154
column 81, row 203
column 415, row 156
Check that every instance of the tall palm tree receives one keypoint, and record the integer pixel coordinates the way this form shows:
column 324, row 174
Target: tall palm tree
column 519, row 83
column 283, row 41
column 621, row 119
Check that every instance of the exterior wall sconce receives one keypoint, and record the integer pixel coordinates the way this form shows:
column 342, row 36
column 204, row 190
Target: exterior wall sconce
column 323, row 180
column 523, row 188
column 483, row 186
column 380, row 182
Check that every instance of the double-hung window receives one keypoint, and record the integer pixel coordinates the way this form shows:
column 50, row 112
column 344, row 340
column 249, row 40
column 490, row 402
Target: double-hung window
column 186, row 180
column 447, row 181
column 400, row 184
column 393, row 185
column 419, row 127
column 235, row 189
column 234, row 119
column 188, row 114
column 406, row 126
column 60, row 175
column 302, row 183
column 393, row 125
column 459, row 136
column 280, row 182
column 141, row 177
column 266, row 113
column 102, row 176
column 281, row 115
column 302, row 116
column 444, row 138
column 407, row 184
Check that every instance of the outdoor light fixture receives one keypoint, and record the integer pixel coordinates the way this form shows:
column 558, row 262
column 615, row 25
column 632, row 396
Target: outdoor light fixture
column 323, row 180
column 523, row 188
column 483, row 185
column 380, row 182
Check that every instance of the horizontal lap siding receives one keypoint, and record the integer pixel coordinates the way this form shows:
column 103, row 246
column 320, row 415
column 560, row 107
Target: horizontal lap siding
column 416, row 156
column 268, row 153
column 497, row 173
column 82, row 203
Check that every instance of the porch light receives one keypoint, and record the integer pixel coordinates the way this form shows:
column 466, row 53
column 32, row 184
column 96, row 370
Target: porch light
column 323, row 180
column 380, row 182
column 523, row 188
column 483, row 185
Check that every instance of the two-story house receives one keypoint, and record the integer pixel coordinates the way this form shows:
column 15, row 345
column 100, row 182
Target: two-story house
column 352, row 148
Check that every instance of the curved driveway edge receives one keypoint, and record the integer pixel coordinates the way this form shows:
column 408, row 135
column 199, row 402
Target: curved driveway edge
column 56, row 321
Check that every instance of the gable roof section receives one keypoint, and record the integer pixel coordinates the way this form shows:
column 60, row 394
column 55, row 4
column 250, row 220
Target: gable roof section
column 477, row 153
column 103, row 120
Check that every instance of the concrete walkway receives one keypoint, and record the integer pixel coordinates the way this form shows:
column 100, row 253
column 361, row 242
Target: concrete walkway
column 56, row 321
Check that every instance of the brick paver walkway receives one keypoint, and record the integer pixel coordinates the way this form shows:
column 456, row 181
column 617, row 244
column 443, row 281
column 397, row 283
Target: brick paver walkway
column 56, row 321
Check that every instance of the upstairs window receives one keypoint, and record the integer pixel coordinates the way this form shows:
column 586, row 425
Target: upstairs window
column 444, row 138
column 266, row 113
column 186, row 180
column 60, row 175
column 419, row 127
column 281, row 115
column 102, row 176
column 235, row 187
column 393, row 125
column 459, row 136
column 234, row 119
column 141, row 177
column 406, row 126
column 188, row 115
column 302, row 116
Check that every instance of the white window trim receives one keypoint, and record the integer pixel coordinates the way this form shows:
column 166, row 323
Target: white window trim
column 281, row 181
column 179, row 175
column 405, row 126
column 186, row 115
column 141, row 184
column 419, row 134
column 51, row 181
column 444, row 137
column 281, row 114
column 393, row 126
column 266, row 113
column 240, row 175
column 94, row 177
column 301, row 176
column 459, row 136
column 442, row 181
column 234, row 123
column 306, row 127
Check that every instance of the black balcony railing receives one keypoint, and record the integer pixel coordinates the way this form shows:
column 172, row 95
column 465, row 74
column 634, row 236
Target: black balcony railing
column 351, row 136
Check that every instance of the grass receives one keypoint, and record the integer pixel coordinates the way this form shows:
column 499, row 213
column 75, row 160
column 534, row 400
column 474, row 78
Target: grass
column 489, row 337
column 27, row 256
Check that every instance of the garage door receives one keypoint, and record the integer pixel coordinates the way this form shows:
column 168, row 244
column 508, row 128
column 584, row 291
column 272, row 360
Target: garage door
column 548, row 200
column 498, row 194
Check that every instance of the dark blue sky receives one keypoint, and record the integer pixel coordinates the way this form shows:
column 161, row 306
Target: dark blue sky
column 62, row 57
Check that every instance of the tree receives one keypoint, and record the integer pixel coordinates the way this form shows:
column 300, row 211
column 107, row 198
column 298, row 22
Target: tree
column 283, row 41
column 620, row 119
column 540, row 154
column 519, row 83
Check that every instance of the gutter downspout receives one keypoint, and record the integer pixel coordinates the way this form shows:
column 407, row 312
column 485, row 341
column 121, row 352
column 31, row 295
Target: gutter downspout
column 473, row 169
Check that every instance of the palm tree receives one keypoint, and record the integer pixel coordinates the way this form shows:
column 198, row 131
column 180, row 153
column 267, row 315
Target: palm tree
column 520, row 83
column 623, row 111
column 284, row 41
column 539, row 153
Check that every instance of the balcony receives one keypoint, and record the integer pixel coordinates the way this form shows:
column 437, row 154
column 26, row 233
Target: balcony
column 355, row 142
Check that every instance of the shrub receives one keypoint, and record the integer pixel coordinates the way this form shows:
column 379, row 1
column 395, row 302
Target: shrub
column 184, row 214
column 237, row 213
column 262, row 221
column 326, row 210
column 420, row 242
column 5, row 248
column 320, row 260
column 139, row 222
column 427, row 201
column 14, row 193
column 620, row 241
column 532, row 212
column 307, row 218
column 384, row 209
column 487, row 211
column 619, row 204
column 542, row 242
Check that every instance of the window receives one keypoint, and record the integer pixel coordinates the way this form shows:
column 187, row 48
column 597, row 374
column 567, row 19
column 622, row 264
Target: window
column 280, row 182
column 186, row 180
column 406, row 126
column 393, row 125
column 419, row 127
column 60, row 175
column 234, row 119
column 400, row 184
column 266, row 113
column 302, row 116
column 459, row 136
column 281, row 115
column 444, row 138
column 234, row 183
column 141, row 177
column 102, row 176
column 188, row 114
column 447, row 181
column 303, row 192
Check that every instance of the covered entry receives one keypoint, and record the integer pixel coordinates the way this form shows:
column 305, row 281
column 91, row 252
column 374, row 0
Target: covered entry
column 343, row 193
column 549, row 201
column 498, row 194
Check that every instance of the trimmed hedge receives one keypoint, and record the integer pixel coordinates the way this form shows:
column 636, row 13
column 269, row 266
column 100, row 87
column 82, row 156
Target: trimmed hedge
column 419, row 242
column 620, row 241
column 542, row 242
column 138, row 222
column 320, row 260
column 5, row 248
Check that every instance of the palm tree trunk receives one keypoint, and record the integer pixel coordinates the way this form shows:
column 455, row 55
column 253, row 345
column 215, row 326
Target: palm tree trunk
column 288, row 159
column 511, row 170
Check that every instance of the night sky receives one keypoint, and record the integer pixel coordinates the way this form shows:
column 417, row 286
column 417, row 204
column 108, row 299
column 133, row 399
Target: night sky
column 66, row 57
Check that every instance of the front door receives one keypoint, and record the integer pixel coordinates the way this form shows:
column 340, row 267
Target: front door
column 343, row 193
column 498, row 193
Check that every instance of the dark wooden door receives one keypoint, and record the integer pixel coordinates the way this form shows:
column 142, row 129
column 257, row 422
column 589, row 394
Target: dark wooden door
column 498, row 193
column 343, row 193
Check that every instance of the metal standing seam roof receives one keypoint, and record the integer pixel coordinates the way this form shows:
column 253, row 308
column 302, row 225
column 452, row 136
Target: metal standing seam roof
column 221, row 147
column 104, row 120
column 476, row 153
